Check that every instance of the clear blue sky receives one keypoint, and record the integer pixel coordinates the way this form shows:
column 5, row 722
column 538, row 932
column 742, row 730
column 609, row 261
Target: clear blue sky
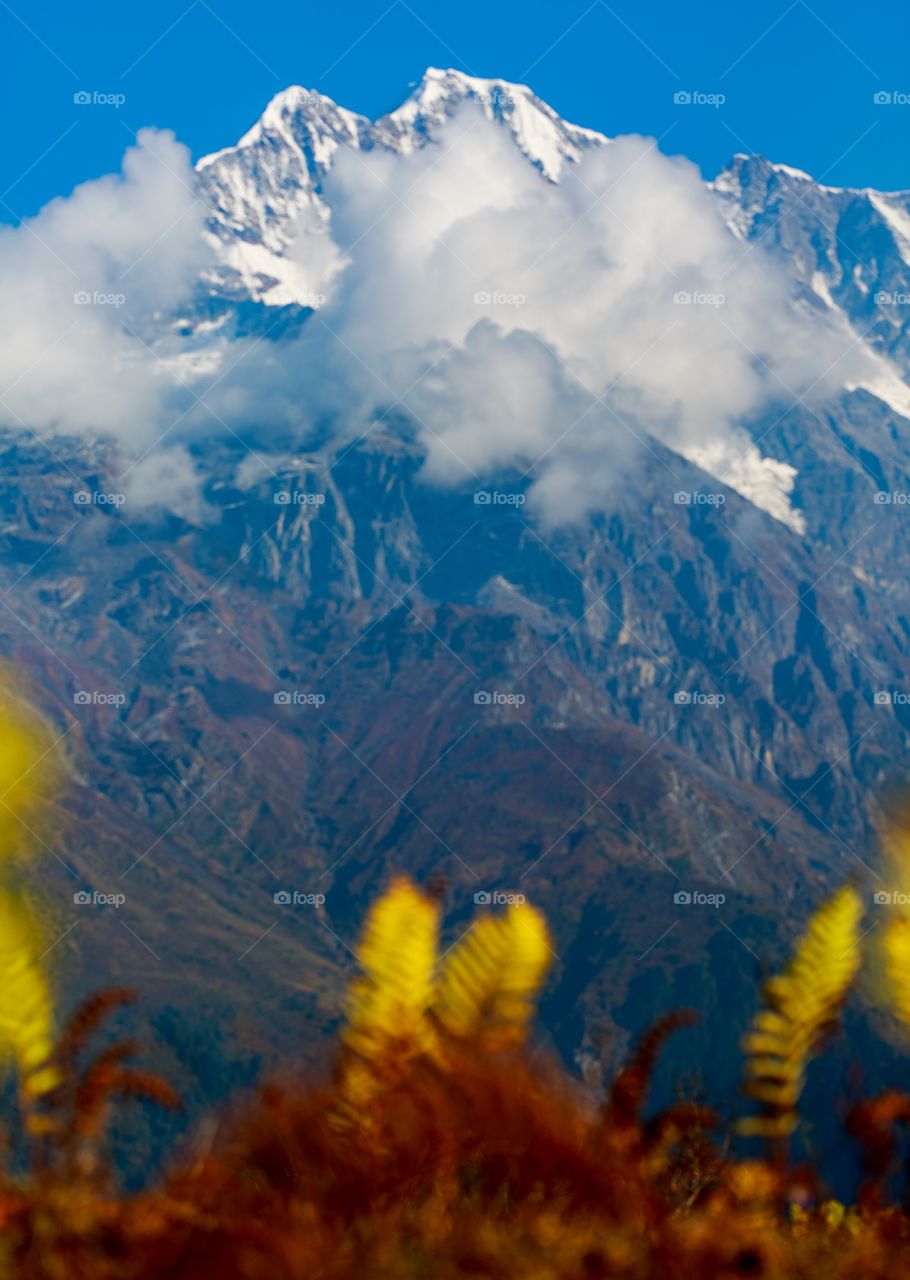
column 799, row 79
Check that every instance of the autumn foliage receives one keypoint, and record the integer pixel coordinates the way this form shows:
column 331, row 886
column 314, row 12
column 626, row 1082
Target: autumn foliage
column 439, row 1144
column 441, row 1147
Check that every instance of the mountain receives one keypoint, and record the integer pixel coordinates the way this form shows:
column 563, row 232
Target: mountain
column 341, row 669
column 846, row 251
column 263, row 190
column 849, row 249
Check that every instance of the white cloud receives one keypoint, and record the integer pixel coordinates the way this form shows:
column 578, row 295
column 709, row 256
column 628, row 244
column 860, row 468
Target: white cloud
column 522, row 324
column 83, row 283
column 515, row 324
column 169, row 478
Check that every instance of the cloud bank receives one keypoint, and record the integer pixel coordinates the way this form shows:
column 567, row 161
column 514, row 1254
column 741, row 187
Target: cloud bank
column 86, row 284
column 513, row 324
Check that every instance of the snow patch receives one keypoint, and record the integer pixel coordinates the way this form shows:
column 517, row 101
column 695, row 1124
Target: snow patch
column 820, row 286
column 793, row 173
column 764, row 482
column 858, row 278
column 885, row 383
column 897, row 219
column 266, row 276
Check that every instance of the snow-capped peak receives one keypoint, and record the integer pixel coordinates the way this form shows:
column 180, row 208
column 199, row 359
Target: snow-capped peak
column 543, row 136
column 266, row 191
column 295, row 106
column 747, row 173
column 270, row 224
column 303, row 120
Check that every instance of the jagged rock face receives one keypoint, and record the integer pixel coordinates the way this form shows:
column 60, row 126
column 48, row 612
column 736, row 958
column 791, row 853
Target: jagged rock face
column 584, row 778
column 344, row 671
column 850, row 249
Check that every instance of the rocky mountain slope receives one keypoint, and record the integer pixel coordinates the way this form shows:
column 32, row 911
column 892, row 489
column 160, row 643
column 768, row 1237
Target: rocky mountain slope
column 341, row 669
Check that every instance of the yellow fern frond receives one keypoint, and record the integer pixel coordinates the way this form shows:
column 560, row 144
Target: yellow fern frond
column 897, row 965
column 26, row 1014
column 800, row 1003
column 389, row 1002
column 471, row 974
column 27, row 766
column 492, row 976
column 526, row 967
column 397, row 1009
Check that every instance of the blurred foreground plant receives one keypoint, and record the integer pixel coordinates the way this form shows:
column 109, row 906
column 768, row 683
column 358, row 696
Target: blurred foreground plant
column 800, row 1005
column 440, row 1146
column 27, row 775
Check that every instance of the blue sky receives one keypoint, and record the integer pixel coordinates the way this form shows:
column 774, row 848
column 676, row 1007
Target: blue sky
column 799, row 80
